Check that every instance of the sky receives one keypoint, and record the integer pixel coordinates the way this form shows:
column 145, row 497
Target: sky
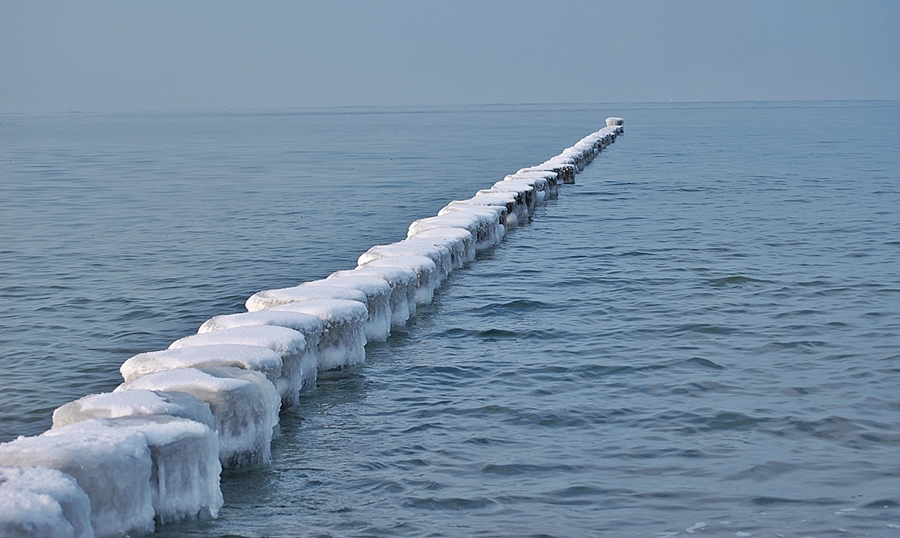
column 123, row 55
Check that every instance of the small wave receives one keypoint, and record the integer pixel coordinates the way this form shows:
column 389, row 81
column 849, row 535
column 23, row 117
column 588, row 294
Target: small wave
column 802, row 312
column 730, row 421
column 514, row 469
column 803, row 345
column 508, row 308
column 702, row 328
column 883, row 504
column 453, row 503
column 770, row 501
column 493, row 335
column 735, row 280
column 705, row 363
column 765, row 471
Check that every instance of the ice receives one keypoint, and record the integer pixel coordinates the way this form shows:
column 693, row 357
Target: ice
column 425, row 270
column 531, row 197
column 184, row 477
column 403, row 290
column 485, row 223
column 554, row 179
column 610, row 122
column 460, row 242
column 378, row 301
column 513, row 202
column 522, row 199
column 584, row 151
column 309, row 326
column 26, row 514
column 303, row 292
column 259, row 359
column 244, row 404
column 111, row 465
column 42, row 502
column 537, row 188
column 134, row 403
column 439, row 254
column 573, row 156
column 565, row 171
column 298, row 370
column 565, row 160
column 343, row 340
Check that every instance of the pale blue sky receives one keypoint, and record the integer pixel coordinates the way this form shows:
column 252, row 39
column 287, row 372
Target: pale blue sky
column 175, row 55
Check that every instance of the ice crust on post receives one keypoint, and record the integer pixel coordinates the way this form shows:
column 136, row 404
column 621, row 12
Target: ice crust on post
column 343, row 341
column 256, row 358
column 525, row 197
column 112, row 466
column 537, row 190
column 134, row 403
column 184, row 477
column 403, row 289
column 43, row 502
column 424, row 267
column 517, row 212
column 487, row 223
column 303, row 292
column 439, row 254
column 309, row 326
column 459, row 241
column 298, row 370
column 378, row 301
column 244, row 405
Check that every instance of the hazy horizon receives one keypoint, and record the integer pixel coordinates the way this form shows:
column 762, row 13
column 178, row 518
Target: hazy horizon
column 106, row 56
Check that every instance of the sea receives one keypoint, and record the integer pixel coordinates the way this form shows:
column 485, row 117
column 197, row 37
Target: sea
column 701, row 337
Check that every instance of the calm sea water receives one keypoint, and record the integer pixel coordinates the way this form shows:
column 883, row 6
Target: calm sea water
column 702, row 336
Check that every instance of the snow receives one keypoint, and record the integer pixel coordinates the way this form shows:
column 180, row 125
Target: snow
column 39, row 502
column 244, row 404
column 536, row 189
column 25, row 514
column 259, row 359
column 423, row 266
column 298, row 370
column 184, row 478
column 309, row 326
column 378, row 301
column 513, row 202
column 403, row 290
column 565, row 171
column 134, row 403
column 522, row 199
column 485, row 223
column 439, row 254
column 610, row 122
column 343, row 338
column 111, row 465
column 460, row 242
column 530, row 173
column 303, row 292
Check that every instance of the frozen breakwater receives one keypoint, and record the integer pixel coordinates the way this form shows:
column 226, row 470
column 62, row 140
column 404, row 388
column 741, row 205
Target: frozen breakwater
column 152, row 451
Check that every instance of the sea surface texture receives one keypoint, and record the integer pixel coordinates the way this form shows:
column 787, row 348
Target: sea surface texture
column 700, row 337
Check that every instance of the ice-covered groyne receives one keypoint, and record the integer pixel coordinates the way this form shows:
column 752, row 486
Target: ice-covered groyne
column 152, row 451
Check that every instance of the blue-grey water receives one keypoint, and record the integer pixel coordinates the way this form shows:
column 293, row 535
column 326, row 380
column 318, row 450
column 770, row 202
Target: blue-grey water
column 700, row 337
